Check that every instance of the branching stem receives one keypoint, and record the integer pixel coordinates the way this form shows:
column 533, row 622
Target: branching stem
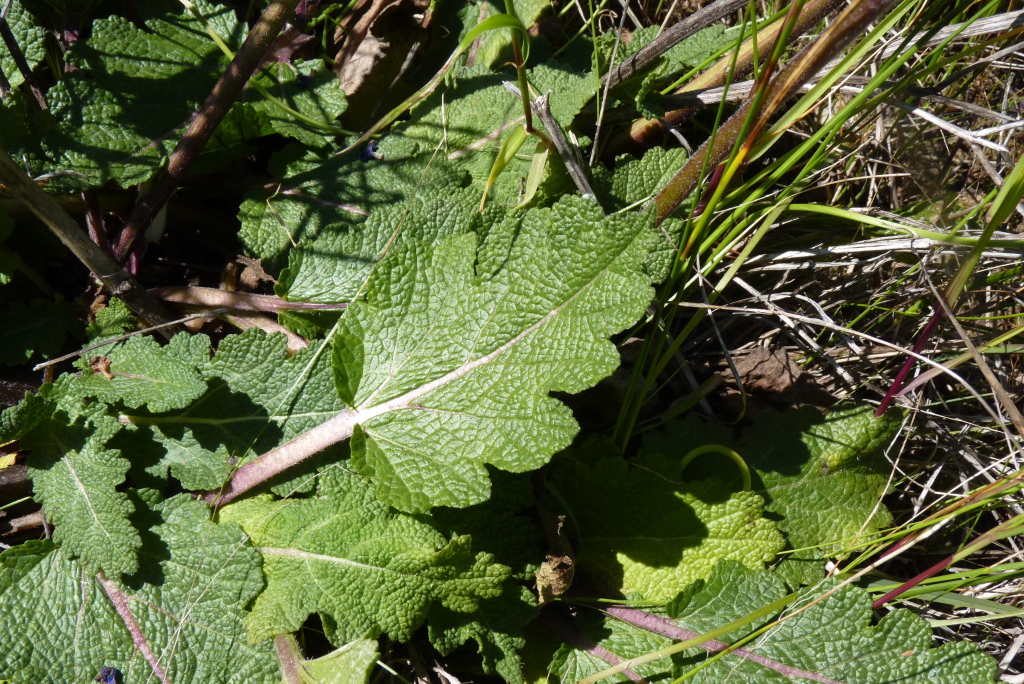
column 121, row 284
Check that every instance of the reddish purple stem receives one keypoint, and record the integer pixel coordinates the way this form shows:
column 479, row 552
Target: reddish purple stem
column 665, row 627
column 568, row 633
column 120, row 601
column 913, row 582
column 901, row 377
column 716, row 178
column 94, row 221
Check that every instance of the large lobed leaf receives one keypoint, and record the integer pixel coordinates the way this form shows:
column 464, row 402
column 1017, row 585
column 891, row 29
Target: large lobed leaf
column 447, row 368
column 363, row 566
column 256, row 397
column 642, row 530
column 821, row 477
column 75, row 477
column 141, row 372
column 495, row 626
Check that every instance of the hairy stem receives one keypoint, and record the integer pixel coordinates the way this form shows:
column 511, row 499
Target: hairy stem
column 213, row 298
column 288, row 657
column 337, row 429
column 223, row 95
column 764, row 611
column 660, row 625
column 120, row 601
column 581, row 641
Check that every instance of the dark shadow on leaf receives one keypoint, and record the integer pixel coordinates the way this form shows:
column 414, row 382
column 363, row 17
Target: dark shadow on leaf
column 154, row 550
column 620, row 509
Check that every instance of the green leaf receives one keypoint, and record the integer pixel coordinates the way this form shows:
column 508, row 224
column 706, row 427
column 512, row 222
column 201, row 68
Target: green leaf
column 75, row 477
column 490, row 24
column 688, row 54
column 30, row 37
column 320, row 190
column 645, row 532
column 446, row 370
column 144, row 373
column 18, row 135
column 334, row 266
column 57, row 623
column 49, row 603
column 329, row 195
column 637, row 180
column 834, row 502
column 310, row 89
column 633, row 183
column 41, row 326
column 569, row 664
column 570, row 90
column 503, row 525
column 118, row 113
column 366, row 568
column 495, row 626
column 257, row 397
column 351, row 664
column 833, row 640
column 847, row 438
column 121, row 111
column 497, row 44
column 233, row 138
column 477, row 106
column 472, row 117
column 113, row 320
column 821, row 477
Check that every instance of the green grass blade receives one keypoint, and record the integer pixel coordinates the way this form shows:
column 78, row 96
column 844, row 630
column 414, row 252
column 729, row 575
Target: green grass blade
column 498, row 21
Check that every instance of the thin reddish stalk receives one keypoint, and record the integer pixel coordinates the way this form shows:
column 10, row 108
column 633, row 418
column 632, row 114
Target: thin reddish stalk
column 913, row 582
column 120, row 601
column 660, row 625
column 901, row 377
column 1007, row 528
column 581, row 641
